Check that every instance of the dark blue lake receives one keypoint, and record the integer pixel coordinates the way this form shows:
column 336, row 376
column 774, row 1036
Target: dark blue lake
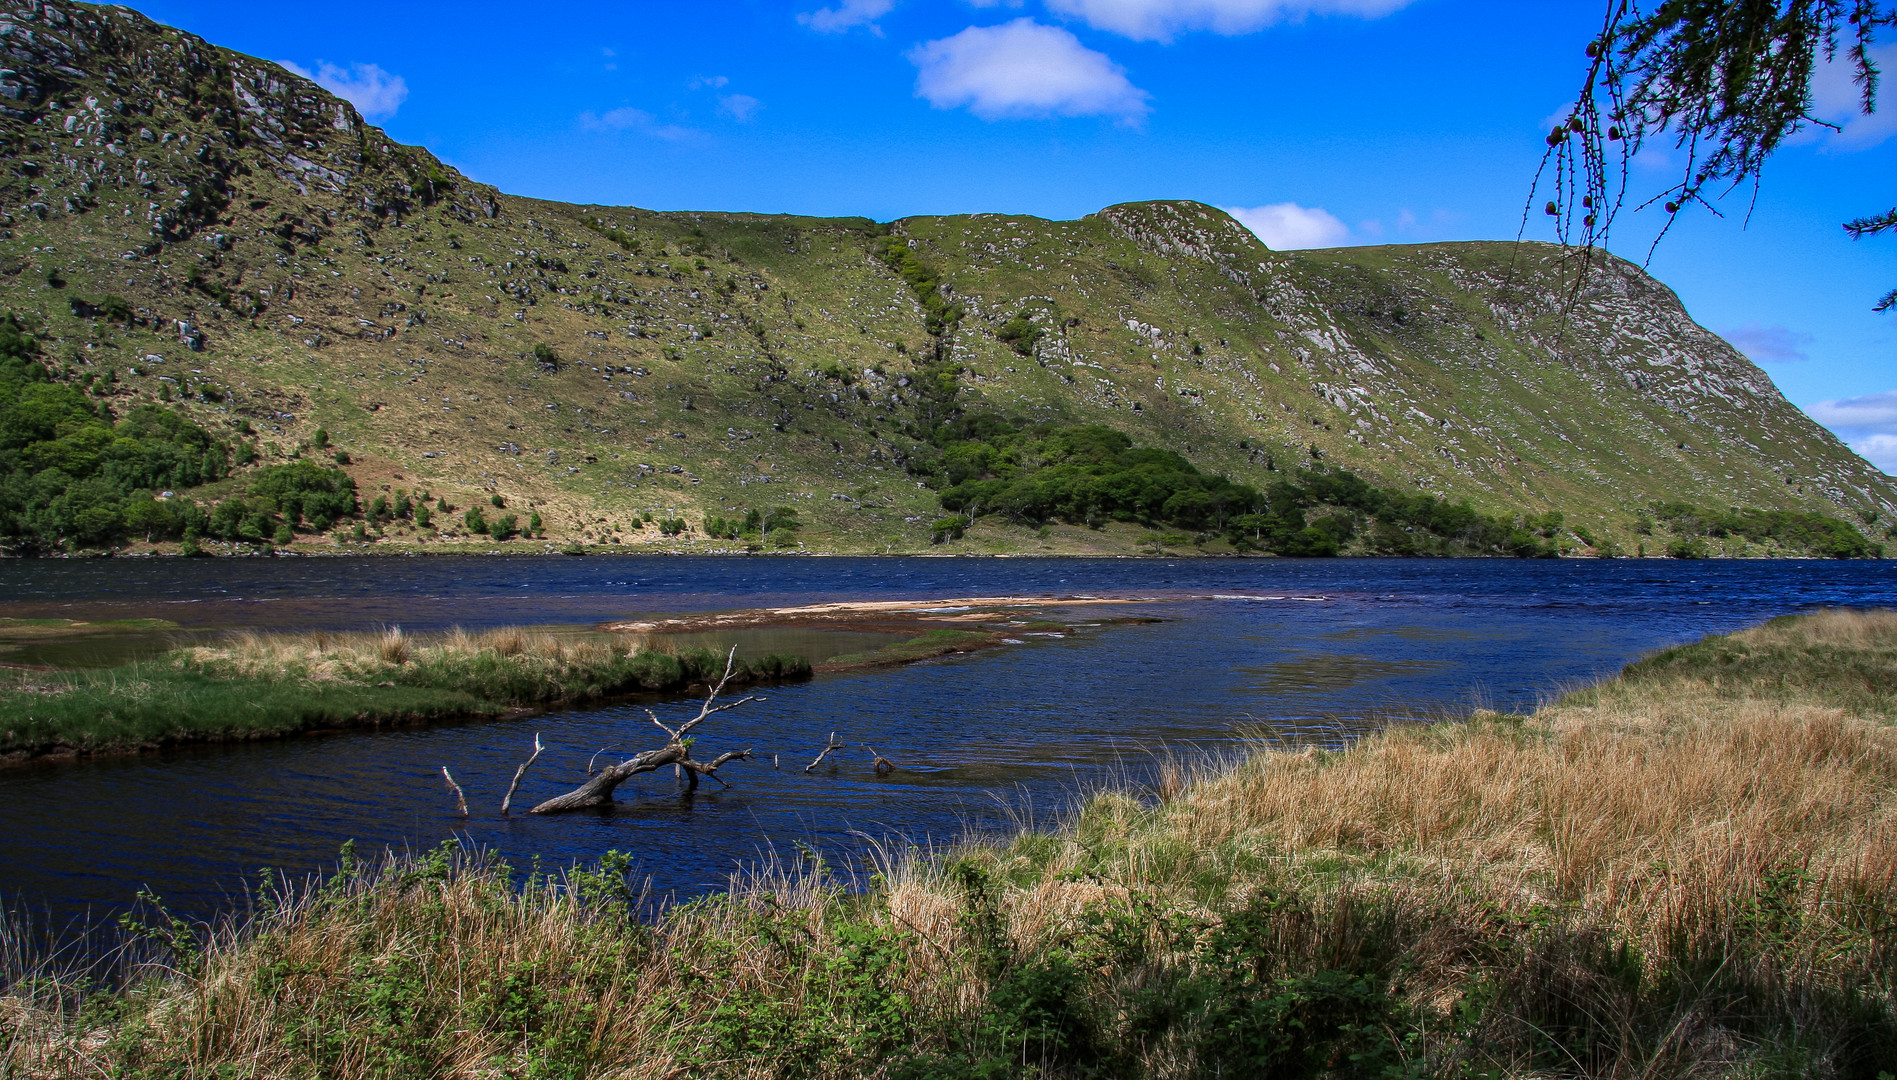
column 1314, row 649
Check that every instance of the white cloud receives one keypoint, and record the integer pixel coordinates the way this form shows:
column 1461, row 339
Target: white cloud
column 741, row 107
column 1870, row 411
column 699, row 82
column 1868, row 424
column 1835, row 97
column 1021, row 69
column 1284, row 226
column 847, row 15
column 1879, row 450
column 630, row 119
column 1160, row 20
column 375, row 93
column 1768, row 344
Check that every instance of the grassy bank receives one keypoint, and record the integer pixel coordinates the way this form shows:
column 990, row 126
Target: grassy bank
column 1688, row 870
column 257, row 686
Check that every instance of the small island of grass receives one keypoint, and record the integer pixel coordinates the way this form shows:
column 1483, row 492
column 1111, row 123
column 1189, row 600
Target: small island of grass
column 259, row 686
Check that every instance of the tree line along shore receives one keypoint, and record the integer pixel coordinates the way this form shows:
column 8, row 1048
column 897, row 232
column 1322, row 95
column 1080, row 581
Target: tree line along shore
column 81, row 475
column 1685, row 870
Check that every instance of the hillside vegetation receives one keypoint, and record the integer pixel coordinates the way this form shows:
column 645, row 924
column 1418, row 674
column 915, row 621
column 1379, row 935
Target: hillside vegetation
column 1687, row 870
column 195, row 230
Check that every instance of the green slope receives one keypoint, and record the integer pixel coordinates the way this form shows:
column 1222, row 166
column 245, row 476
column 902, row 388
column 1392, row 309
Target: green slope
column 288, row 266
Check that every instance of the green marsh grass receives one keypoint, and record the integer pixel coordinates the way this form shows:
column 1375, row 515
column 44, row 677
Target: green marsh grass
column 260, row 685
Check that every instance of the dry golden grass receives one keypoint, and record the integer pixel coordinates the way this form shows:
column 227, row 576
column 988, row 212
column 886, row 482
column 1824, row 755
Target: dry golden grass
column 1687, row 871
column 371, row 657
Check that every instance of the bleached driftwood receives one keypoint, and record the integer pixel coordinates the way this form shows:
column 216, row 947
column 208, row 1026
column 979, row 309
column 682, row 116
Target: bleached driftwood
column 598, row 790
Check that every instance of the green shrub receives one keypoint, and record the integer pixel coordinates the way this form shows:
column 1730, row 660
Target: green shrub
column 1687, row 547
column 1020, row 334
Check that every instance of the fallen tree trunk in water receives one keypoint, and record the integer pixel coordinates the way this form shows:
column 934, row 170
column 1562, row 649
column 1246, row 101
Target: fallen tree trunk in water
column 598, row 790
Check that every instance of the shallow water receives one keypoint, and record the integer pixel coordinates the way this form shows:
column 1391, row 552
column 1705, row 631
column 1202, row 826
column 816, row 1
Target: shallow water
column 1307, row 649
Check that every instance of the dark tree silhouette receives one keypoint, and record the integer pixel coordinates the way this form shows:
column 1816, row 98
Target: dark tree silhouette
column 1727, row 81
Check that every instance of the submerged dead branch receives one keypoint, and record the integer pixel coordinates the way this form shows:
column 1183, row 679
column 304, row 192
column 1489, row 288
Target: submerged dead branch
column 882, row 765
column 833, row 746
column 598, row 789
column 460, row 799
column 522, row 771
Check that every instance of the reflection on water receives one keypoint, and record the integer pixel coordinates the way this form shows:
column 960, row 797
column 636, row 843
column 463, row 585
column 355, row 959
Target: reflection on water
column 1324, row 672
column 97, row 649
column 1415, row 633
column 814, row 645
column 979, row 737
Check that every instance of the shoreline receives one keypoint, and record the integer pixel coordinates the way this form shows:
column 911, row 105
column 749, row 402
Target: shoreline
column 378, row 551
column 1691, row 849
column 257, row 687
column 252, row 687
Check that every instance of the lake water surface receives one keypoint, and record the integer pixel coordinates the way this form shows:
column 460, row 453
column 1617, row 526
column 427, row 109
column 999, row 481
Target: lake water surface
column 1309, row 649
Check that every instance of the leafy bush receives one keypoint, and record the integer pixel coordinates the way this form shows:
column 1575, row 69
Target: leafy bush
column 1020, row 334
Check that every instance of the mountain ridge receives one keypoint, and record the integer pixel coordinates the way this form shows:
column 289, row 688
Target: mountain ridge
column 288, row 267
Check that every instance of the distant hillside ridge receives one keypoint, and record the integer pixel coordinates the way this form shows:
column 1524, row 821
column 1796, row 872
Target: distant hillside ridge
column 188, row 227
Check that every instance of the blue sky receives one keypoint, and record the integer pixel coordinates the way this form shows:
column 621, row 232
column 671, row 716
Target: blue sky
column 1326, row 121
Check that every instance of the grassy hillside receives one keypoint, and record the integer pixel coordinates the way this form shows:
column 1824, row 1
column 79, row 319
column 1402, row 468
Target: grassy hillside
column 1684, row 871
column 189, row 225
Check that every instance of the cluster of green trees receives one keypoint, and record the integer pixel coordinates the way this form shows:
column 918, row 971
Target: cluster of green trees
column 503, row 527
column 777, row 526
column 277, row 500
column 1089, row 475
column 1792, row 530
column 73, row 475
